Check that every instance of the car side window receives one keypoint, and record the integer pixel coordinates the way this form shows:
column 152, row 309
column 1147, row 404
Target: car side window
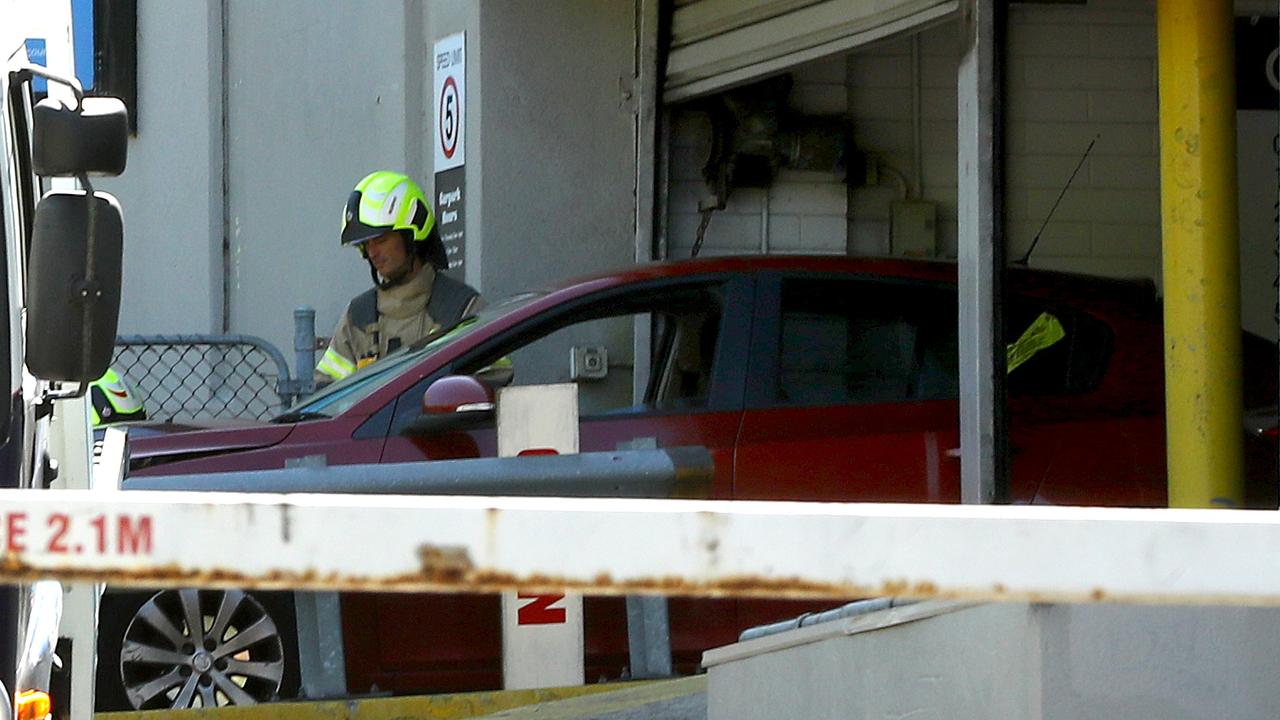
column 865, row 342
column 861, row 342
column 596, row 347
column 676, row 328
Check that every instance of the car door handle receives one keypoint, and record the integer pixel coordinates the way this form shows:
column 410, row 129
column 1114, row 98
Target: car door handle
column 953, row 453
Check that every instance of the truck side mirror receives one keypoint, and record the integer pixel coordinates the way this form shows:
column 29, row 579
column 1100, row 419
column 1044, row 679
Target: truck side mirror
column 92, row 140
column 73, row 299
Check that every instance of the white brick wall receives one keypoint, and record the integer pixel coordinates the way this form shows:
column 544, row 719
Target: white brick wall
column 1076, row 73
column 803, row 212
column 880, row 109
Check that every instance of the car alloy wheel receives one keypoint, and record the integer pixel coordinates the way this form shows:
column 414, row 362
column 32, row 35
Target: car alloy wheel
column 201, row 648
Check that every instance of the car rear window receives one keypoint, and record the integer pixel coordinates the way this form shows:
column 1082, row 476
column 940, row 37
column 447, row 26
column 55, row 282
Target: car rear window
column 1073, row 364
column 863, row 342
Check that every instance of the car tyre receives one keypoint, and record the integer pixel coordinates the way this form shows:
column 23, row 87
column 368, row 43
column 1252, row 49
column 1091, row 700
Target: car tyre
column 148, row 658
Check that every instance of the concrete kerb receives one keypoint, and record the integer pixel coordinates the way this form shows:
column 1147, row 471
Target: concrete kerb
column 677, row 699
column 420, row 707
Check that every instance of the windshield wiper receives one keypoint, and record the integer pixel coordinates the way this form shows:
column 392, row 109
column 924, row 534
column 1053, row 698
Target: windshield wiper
column 298, row 416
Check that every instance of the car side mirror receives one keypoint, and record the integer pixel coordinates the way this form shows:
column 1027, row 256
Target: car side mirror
column 74, row 293
column 454, row 403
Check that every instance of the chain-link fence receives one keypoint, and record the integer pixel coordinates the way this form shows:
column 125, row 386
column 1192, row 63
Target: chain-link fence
column 203, row 377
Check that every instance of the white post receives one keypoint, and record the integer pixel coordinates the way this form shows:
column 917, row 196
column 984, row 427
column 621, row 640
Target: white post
column 70, row 443
column 978, row 257
column 542, row 635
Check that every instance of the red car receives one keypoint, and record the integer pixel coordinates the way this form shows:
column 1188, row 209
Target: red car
column 808, row 378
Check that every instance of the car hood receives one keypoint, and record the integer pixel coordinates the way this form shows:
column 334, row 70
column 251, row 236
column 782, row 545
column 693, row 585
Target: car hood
column 155, row 442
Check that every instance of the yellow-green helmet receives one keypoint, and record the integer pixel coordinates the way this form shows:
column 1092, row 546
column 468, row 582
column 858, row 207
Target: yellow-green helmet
column 386, row 201
column 112, row 400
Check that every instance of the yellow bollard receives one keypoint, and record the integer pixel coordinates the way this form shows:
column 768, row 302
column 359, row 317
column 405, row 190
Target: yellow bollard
column 1203, row 400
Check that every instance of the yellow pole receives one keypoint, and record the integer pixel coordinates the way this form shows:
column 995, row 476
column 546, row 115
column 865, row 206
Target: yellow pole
column 1201, row 253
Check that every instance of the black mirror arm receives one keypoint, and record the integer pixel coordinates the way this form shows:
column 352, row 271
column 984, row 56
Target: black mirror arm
column 26, row 72
column 90, row 289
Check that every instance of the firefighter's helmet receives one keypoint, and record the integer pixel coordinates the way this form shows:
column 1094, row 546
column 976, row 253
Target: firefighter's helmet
column 386, row 201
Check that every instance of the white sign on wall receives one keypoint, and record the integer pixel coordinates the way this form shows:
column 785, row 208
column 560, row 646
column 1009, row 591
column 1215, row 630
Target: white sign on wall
column 449, row 129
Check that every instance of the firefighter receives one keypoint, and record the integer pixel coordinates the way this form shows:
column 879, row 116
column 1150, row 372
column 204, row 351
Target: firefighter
column 390, row 221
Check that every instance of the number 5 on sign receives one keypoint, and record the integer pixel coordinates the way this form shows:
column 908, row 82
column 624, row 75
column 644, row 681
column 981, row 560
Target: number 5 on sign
column 542, row 641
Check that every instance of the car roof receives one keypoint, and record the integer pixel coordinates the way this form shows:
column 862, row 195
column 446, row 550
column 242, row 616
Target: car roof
column 1021, row 278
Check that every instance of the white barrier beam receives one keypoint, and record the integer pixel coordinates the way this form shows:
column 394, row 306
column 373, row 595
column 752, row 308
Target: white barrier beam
column 613, row 546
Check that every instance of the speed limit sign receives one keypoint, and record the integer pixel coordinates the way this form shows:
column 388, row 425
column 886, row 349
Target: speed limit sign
column 450, row 101
column 450, row 123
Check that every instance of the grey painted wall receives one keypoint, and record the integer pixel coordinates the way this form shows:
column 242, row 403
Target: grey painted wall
column 557, row 141
column 319, row 94
column 310, row 111
column 172, row 188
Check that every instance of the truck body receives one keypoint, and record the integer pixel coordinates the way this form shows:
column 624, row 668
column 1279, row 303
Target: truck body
column 54, row 319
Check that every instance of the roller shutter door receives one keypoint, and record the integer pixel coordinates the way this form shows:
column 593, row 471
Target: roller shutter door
column 716, row 44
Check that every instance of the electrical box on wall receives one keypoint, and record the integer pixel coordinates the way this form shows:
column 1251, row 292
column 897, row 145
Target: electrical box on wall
column 588, row 362
column 913, row 228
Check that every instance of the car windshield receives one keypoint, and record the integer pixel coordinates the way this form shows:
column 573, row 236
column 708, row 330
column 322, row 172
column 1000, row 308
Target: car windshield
column 334, row 399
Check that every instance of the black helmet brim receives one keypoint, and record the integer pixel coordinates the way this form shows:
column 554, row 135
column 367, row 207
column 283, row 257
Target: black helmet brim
column 355, row 232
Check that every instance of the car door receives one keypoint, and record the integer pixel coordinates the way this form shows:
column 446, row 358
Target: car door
column 851, row 396
column 1088, row 402
column 683, row 387
column 675, row 372
column 852, row 392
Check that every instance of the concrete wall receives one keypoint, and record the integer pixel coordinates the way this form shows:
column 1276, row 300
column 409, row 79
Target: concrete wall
column 1013, row 660
column 558, row 141
column 172, row 188
column 309, row 113
column 317, row 96
column 1076, row 76
column 974, row 664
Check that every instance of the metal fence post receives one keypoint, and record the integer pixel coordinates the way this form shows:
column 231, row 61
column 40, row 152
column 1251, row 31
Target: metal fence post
column 321, row 653
column 649, row 637
column 304, row 349
column 648, row 624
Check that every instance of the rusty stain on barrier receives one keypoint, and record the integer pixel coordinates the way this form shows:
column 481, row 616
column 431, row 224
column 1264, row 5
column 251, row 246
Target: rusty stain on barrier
column 449, row 569
column 451, row 573
column 447, row 564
